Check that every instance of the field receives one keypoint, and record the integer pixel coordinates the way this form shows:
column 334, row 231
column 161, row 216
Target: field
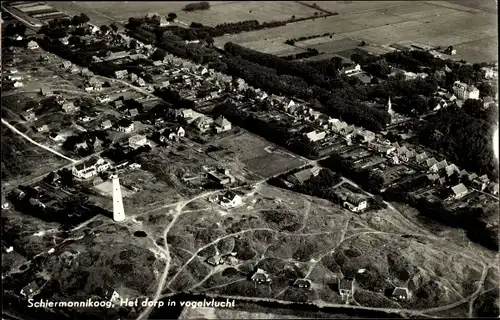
column 219, row 12
column 382, row 23
column 256, row 154
column 23, row 160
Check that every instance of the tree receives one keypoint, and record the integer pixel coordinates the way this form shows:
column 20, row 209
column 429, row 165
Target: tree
column 114, row 27
column 104, row 29
column 485, row 89
column 172, row 15
column 209, row 40
column 293, row 17
column 158, row 55
column 133, row 44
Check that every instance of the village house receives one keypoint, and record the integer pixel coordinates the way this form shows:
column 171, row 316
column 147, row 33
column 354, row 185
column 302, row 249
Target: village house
column 419, row 158
column 18, row 84
column 215, row 260
column 430, row 162
column 464, row 91
column 458, row 191
column 30, row 290
column 435, row 168
column 302, row 283
column 222, row 124
column 489, row 73
column 137, row 141
column 116, row 55
column 106, row 125
column 37, row 203
column 352, row 69
column 28, row 115
column 314, row 136
column 69, row 107
column 401, row 294
column 118, row 103
column 90, row 168
column 366, row 136
column 45, row 92
column 221, row 176
column 337, row 126
column 56, row 137
column 125, row 125
column 260, row 276
column 493, row 188
column 230, row 200
column 18, row 194
column 203, row 123
column 346, row 288
column 74, row 69
column 121, row 74
column 133, row 112
column 81, row 145
column 32, row 45
column 109, row 294
column 66, row 65
column 354, row 202
column 481, row 182
column 42, row 128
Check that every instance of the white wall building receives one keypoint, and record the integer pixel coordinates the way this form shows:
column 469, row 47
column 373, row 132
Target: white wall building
column 464, row 91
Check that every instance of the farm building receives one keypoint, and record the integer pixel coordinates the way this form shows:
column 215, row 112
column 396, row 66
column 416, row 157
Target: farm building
column 137, row 141
column 260, row 276
column 401, row 294
column 302, row 283
column 222, row 124
column 458, row 191
column 346, row 288
column 215, row 260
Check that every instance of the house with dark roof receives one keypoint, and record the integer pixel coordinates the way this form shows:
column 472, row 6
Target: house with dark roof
column 401, row 294
column 30, row 290
column 109, row 294
column 230, row 200
column 125, row 125
column 260, row 276
column 221, row 176
column 28, row 116
column 302, row 283
column 215, row 260
column 346, row 288
column 222, row 124
column 355, row 202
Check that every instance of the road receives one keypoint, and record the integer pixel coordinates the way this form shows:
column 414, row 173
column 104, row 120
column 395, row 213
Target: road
column 11, row 127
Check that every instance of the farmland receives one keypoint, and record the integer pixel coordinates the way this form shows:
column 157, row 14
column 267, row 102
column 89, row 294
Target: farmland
column 219, row 12
column 383, row 23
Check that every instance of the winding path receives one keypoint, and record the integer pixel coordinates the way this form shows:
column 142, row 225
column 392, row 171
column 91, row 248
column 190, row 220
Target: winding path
column 11, row 127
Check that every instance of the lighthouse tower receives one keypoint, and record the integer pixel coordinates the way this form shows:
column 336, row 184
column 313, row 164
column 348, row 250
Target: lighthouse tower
column 118, row 211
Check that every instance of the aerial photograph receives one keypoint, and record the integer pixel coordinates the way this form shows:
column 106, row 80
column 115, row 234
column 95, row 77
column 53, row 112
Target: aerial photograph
column 249, row 160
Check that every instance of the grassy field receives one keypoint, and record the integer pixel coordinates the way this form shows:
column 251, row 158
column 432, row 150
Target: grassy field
column 22, row 160
column 256, row 154
column 219, row 12
column 436, row 24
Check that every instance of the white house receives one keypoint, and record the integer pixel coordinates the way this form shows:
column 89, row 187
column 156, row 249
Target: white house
column 230, row 200
column 314, row 136
column 18, row 84
column 459, row 191
column 464, row 91
column 355, row 203
column 222, row 124
column 126, row 126
column 32, row 45
column 106, row 125
column 90, row 168
column 137, row 141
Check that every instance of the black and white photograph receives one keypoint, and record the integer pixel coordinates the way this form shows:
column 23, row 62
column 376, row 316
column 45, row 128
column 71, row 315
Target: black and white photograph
column 249, row 160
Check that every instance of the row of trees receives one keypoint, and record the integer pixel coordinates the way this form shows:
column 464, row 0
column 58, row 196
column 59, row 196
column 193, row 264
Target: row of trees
column 314, row 36
column 197, row 6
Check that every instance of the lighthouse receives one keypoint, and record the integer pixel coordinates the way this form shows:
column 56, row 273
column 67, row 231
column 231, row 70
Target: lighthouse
column 118, row 211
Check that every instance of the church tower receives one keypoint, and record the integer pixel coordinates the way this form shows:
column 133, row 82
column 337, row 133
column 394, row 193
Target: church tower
column 118, row 211
column 389, row 109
